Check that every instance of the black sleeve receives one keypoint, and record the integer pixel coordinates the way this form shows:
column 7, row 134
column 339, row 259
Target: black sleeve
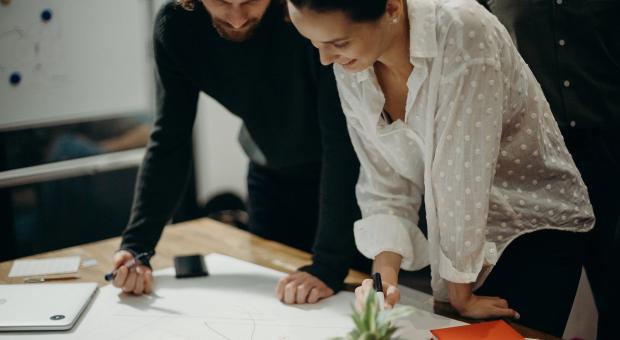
column 164, row 172
column 334, row 248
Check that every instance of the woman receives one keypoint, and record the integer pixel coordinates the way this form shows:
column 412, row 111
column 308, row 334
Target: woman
column 440, row 105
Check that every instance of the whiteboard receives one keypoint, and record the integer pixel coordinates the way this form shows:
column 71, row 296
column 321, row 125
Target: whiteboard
column 91, row 59
column 236, row 302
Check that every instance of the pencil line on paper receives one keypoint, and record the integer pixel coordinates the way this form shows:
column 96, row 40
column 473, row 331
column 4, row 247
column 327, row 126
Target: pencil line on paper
column 216, row 332
column 253, row 324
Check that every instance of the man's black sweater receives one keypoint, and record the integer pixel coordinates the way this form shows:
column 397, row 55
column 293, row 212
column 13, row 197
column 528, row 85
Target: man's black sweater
column 288, row 103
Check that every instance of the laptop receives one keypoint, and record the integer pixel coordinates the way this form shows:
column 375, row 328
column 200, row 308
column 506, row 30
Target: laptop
column 43, row 307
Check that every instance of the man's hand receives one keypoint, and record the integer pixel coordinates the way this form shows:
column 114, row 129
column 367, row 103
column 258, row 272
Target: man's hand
column 301, row 287
column 135, row 281
column 478, row 307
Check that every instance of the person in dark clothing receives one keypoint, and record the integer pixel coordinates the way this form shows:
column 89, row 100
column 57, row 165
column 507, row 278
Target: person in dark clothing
column 573, row 50
column 302, row 169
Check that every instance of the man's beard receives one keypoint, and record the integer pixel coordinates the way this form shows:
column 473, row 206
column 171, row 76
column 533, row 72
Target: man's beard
column 229, row 33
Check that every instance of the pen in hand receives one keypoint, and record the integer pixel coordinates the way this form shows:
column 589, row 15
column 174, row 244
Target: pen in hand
column 139, row 259
column 378, row 286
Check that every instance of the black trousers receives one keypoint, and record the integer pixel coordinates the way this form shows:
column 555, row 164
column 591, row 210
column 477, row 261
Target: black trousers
column 283, row 205
column 608, row 312
column 538, row 274
column 597, row 155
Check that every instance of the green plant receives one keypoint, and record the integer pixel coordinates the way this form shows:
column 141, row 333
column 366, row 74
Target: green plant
column 373, row 323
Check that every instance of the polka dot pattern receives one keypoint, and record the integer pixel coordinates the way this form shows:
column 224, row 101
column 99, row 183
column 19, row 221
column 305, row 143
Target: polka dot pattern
column 486, row 154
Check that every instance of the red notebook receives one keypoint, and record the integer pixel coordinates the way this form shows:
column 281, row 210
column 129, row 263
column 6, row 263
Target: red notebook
column 492, row 330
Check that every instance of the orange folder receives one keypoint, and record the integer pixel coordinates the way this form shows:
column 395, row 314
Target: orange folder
column 491, row 330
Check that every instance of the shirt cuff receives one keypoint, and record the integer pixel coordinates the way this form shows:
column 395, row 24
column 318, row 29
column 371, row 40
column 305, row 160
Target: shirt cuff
column 135, row 251
column 379, row 233
column 332, row 278
column 447, row 271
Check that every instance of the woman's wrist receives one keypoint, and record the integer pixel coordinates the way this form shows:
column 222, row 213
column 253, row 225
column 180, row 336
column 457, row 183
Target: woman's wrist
column 459, row 294
column 387, row 263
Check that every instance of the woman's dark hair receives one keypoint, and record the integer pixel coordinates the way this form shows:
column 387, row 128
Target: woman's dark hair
column 356, row 10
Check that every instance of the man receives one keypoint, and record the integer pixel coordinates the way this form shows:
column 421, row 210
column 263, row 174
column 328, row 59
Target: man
column 573, row 49
column 303, row 169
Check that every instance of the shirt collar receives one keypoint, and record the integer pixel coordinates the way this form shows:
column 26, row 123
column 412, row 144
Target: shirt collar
column 423, row 26
column 422, row 32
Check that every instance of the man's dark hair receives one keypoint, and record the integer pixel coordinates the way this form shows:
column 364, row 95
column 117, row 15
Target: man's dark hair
column 187, row 4
column 356, row 10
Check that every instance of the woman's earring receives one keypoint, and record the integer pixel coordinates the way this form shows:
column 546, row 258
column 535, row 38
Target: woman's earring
column 395, row 20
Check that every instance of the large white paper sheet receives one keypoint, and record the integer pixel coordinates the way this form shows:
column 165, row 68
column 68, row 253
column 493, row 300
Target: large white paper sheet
column 236, row 302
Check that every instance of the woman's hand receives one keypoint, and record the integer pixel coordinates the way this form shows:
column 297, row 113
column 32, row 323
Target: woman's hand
column 386, row 263
column 478, row 307
column 390, row 291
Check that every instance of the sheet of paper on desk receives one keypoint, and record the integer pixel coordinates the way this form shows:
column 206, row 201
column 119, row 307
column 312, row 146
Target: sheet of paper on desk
column 51, row 266
column 236, row 302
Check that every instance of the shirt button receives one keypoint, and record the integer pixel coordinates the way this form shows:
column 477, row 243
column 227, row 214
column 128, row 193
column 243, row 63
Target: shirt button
column 572, row 123
column 562, row 42
column 559, row 2
column 566, row 83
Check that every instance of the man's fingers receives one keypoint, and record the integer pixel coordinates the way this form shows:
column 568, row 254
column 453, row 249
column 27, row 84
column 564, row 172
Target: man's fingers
column 325, row 292
column 121, row 257
column 314, row 295
column 121, row 277
column 290, row 292
column 130, row 283
column 139, row 288
column 302, row 292
column 281, row 286
column 148, row 282
column 301, row 287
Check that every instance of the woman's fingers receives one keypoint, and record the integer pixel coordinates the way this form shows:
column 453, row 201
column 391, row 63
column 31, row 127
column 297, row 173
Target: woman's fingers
column 392, row 296
column 360, row 296
column 505, row 313
column 367, row 284
column 391, row 293
column 495, row 301
column 486, row 307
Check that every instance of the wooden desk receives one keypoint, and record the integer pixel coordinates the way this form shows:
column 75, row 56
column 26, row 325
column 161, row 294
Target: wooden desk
column 206, row 236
